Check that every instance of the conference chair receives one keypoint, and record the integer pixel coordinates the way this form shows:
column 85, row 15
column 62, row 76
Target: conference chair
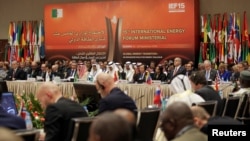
column 231, row 107
column 147, row 121
column 81, row 128
column 28, row 135
column 210, row 106
column 244, row 113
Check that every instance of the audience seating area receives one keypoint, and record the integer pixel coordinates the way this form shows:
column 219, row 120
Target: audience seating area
column 209, row 106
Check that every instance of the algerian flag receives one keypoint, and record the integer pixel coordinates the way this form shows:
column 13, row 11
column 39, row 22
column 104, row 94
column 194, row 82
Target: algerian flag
column 57, row 13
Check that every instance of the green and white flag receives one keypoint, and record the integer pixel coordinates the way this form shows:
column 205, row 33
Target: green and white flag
column 57, row 13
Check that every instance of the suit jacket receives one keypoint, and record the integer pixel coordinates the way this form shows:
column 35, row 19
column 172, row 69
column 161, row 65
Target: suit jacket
column 19, row 75
column 116, row 99
column 171, row 75
column 140, row 78
column 33, row 73
column 58, row 119
column 42, row 74
column 213, row 74
column 218, row 120
column 192, row 134
column 69, row 71
column 162, row 77
column 58, row 74
column 208, row 93
column 11, row 121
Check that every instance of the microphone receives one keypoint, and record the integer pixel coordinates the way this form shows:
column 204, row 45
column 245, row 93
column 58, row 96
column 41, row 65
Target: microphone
column 140, row 97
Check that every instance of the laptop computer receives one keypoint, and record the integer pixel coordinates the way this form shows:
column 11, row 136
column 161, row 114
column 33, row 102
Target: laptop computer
column 8, row 103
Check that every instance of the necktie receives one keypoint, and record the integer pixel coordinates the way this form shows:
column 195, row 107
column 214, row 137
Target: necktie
column 13, row 75
column 175, row 70
column 207, row 75
column 72, row 72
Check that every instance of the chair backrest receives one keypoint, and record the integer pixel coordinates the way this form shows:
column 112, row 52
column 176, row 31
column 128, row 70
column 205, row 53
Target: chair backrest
column 147, row 121
column 81, row 128
column 231, row 107
column 28, row 135
column 244, row 106
column 210, row 106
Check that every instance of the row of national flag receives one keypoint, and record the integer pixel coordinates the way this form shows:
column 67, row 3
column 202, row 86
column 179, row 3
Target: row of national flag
column 25, row 41
column 224, row 38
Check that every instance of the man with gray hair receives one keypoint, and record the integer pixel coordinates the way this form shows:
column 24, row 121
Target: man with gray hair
column 178, row 69
column 209, row 73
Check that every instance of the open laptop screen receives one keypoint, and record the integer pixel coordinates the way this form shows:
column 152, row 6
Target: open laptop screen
column 8, row 103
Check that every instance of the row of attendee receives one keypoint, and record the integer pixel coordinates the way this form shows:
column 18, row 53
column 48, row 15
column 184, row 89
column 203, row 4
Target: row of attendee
column 132, row 72
column 59, row 110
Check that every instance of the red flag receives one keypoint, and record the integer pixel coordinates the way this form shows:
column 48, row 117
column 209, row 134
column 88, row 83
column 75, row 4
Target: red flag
column 148, row 78
column 217, row 79
column 157, row 97
column 115, row 76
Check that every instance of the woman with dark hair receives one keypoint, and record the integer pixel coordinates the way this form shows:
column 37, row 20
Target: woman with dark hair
column 225, row 75
column 159, row 75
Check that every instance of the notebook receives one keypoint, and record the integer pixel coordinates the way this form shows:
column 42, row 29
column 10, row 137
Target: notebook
column 8, row 103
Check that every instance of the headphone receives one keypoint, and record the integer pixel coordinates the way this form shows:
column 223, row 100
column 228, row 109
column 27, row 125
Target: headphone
column 101, row 86
column 182, row 81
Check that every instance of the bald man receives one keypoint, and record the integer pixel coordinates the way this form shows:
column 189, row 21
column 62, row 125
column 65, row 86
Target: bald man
column 178, row 124
column 130, row 118
column 109, row 126
column 112, row 97
column 58, row 112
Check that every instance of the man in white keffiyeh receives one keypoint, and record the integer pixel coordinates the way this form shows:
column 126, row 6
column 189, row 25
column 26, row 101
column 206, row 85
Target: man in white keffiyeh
column 129, row 71
column 94, row 71
column 182, row 91
column 113, row 70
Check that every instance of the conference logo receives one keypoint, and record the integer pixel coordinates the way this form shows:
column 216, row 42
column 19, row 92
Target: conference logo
column 176, row 7
column 57, row 13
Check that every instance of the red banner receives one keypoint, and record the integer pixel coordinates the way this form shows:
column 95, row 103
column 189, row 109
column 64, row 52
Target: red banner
column 122, row 30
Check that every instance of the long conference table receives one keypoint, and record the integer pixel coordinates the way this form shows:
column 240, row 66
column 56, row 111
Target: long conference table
column 142, row 94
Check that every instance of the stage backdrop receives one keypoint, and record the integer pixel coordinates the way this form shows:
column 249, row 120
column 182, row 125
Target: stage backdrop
column 138, row 30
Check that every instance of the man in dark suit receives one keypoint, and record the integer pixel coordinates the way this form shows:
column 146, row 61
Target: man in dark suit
column 58, row 112
column 202, row 119
column 178, row 69
column 112, row 97
column 42, row 73
column 209, row 73
column 141, row 76
column 15, row 72
column 9, row 120
column 199, row 85
column 34, row 71
column 72, row 71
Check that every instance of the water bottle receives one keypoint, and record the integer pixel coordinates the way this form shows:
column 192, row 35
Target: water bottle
column 26, row 116
column 221, row 94
column 86, row 109
column 164, row 103
column 90, row 78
